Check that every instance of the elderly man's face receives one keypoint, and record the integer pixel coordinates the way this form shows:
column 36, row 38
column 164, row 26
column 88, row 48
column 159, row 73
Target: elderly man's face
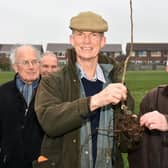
column 27, row 64
column 87, row 44
column 48, row 64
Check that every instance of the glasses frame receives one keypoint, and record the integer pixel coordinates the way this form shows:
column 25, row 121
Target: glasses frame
column 28, row 62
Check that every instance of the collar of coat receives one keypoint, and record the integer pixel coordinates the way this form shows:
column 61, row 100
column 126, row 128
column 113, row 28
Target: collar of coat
column 117, row 67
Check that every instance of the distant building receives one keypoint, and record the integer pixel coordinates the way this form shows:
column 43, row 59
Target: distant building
column 5, row 49
column 112, row 50
column 148, row 53
column 60, row 50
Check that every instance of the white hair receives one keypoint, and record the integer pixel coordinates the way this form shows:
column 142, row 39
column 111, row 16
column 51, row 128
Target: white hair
column 13, row 53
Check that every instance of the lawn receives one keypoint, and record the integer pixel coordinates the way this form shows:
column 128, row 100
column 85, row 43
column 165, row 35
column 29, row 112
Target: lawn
column 6, row 76
column 138, row 82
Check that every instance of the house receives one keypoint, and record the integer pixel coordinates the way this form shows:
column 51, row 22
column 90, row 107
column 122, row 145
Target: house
column 5, row 49
column 112, row 50
column 148, row 53
column 59, row 49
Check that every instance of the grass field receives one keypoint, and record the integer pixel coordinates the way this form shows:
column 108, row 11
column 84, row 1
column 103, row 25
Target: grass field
column 138, row 82
column 6, row 76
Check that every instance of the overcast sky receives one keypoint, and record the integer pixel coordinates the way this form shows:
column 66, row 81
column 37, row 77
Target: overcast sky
column 44, row 21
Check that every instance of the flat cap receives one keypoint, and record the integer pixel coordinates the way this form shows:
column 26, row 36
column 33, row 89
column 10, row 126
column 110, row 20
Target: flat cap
column 88, row 21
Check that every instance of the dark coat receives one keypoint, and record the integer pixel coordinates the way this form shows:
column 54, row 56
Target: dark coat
column 153, row 153
column 20, row 134
column 62, row 120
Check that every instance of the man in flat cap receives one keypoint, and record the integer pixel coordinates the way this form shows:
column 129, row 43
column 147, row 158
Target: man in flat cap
column 77, row 107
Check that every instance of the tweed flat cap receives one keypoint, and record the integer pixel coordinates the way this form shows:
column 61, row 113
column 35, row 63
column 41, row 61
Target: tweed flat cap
column 88, row 21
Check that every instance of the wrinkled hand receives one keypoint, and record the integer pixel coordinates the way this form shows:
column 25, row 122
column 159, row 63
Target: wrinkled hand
column 112, row 94
column 154, row 120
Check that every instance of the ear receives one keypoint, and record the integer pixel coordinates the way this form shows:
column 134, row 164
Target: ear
column 71, row 40
column 103, row 41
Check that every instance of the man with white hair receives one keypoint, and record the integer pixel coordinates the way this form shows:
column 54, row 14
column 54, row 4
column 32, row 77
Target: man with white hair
column 20, row 132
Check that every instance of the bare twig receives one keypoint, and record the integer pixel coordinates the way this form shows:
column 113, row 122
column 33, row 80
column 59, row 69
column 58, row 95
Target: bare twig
column 123, row 106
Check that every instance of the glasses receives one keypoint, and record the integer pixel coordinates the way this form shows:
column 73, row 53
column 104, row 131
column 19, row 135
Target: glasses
column 27, row 63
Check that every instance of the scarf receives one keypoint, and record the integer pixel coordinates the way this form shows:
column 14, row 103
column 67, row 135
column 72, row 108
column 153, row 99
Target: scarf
column 25, row 89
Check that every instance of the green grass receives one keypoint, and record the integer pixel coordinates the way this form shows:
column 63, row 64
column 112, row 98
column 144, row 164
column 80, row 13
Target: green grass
column 6, row 76
column 138, row 82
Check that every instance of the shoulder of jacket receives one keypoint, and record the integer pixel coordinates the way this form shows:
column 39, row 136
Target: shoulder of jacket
column 162, row 86
column 7, row 84
column 157, row 90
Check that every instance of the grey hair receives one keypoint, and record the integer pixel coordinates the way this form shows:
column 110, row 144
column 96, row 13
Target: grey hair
column 13, row 53
column 49, row 53
column 101, row 33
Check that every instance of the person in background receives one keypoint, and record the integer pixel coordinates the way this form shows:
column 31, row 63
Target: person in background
column 48, row 63
column 20, row 132
column 78, row 106
column 153, row 151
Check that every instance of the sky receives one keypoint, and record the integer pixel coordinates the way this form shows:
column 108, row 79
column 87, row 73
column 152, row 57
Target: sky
column 47, row 21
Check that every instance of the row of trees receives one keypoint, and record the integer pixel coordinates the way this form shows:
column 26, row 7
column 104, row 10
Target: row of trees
column 4, row 63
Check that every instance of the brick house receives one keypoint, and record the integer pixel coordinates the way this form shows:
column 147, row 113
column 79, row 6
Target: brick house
column 59, row 49
column 148, row 53
column 112, row 50
column 5, row 49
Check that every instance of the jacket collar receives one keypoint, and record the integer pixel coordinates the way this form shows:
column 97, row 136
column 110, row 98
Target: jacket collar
column 165, row 91
column 113, row 66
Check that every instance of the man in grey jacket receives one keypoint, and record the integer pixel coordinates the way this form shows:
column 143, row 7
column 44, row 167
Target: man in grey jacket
column 78, row 106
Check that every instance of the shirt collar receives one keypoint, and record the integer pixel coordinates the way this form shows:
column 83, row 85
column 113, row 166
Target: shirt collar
column 98, row 75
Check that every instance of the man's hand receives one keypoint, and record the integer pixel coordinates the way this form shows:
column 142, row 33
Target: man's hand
column 112, row 94
column 154, row 120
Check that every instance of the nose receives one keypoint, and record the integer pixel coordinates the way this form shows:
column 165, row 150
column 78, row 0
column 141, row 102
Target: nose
column 87, row 38
column 30, row 64
column 49, row 70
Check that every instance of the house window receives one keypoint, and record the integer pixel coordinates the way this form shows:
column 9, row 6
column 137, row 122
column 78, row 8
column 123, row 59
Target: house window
column 165, row 54
column 138, row 61
column 117, row 54
column 156, row 62
column 142, row 53
column 104, row 53
column 155, row 54
column 132, row 54
column 61, row 54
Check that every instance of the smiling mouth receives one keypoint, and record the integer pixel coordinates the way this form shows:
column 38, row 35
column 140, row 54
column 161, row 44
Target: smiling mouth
column 86, row 48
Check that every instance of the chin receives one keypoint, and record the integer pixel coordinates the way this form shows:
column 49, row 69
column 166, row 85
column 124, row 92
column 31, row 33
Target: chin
column 30, row 80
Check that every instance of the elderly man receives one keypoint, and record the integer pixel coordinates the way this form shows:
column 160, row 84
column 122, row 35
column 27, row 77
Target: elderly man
column 20, row 132
column 48, row 63
column 76, row 104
